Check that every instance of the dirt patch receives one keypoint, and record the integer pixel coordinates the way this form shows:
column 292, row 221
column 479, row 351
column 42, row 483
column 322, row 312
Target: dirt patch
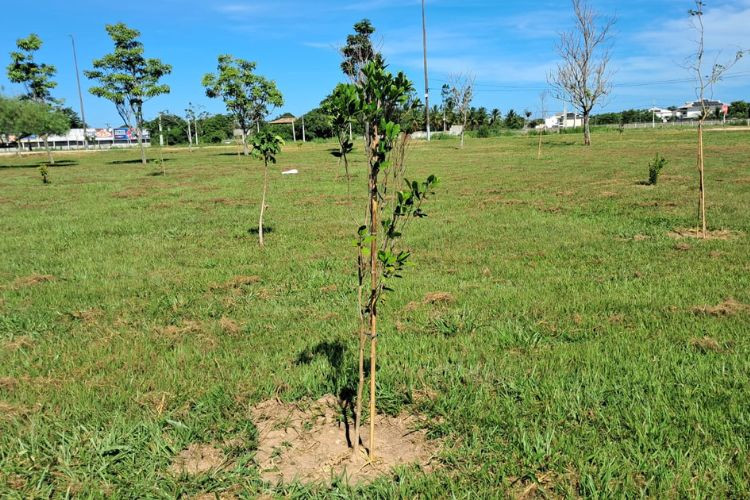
column 236, row 283
column 640, row 237
column 309, row 441
column 31, row 280
column 329, row 289
column 87, row 316
column 229, row 326
column 8, row 383
column 129, row 193
column 706, row 344
column 729, row 307
column 18, row 343
column 720, row 234
column 439, row 298
column 9, row 411
column 198, row 459
column 682, row 247
column 176, row 331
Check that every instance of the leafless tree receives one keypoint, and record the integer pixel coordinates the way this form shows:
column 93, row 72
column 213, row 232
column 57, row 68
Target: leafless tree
column 704, row 84
column 543, row 111
column 462, row 89
column 583, row 78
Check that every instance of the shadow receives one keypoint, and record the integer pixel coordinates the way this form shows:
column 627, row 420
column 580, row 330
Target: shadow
column 133, row 162
column 231, row 154
column 643, row 183
column 335, row 353
column 155, row 174
column 58, row 163
column 266, row 230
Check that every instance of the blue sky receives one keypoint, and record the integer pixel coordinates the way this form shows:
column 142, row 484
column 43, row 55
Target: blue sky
column 509, row 45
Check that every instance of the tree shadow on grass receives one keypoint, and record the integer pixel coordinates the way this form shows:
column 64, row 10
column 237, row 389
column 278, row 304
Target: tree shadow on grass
column 341, row 375
column 132, row 162
column 256, row 230
column 58, row 163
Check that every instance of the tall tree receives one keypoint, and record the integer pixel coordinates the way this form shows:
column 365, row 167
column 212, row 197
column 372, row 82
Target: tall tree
column 359, row 50
column 36, row 78
column 582, row 78
column 704, row 84
column 462, row 88
column 248, row 97
column 128, row 79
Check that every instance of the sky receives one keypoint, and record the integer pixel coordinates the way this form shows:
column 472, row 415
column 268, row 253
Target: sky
column 508, row 45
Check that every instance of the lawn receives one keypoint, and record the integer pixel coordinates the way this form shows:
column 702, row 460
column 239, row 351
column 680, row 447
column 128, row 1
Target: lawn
column 577, row 348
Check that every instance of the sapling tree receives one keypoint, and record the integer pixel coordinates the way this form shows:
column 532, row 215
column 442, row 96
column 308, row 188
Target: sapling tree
column 247, row 96
column 543, row 111
column 128, row 79
column 447, row 104
column 341, row 106
column 36, row 78
column 393, row 201
column 266, row 145
column 462, row 88
column 582, row 78
column 703, row 88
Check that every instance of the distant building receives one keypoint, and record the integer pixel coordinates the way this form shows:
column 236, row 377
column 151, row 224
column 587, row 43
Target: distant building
column 693, row 110
column 664, row 114
column 564, row 120
column 100, row 138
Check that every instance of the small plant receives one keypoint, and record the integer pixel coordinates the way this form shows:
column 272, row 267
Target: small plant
column 44, row 172
column 654, row 169
column 266, row 145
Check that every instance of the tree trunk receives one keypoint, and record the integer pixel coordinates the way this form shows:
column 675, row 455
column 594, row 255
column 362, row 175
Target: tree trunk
column 49, row 151
column 539, row 150
column 361, row 382
column 586, row 129
column 139, row 134
column 245, row 151
column 263, row 203
column 373, row 306
column 701, row 164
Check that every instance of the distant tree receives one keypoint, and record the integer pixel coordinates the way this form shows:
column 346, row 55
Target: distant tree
column 247, row 96
column 462, row 88
column 739, row 109
column 527, row 114
column 704, row 84
column 73, row 117
column 37, row 79
column 317, row 124
column 495, row 116
column 128, row 79
column 342, row 108
column 266, row 145
column 582, row 78
column 24, row 118
column 513, row 120
column 359, row 50
column 447, row 104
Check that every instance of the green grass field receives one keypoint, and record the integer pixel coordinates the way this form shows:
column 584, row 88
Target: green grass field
column 579, row 355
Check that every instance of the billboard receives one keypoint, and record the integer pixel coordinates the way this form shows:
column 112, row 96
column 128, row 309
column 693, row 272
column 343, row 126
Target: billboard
column 129, row 134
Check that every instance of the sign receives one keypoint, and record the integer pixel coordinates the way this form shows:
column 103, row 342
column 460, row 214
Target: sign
column 129, row 134
column 725, row 109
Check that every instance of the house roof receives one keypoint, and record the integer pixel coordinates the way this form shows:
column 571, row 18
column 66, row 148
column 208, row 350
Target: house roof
column 287, row 120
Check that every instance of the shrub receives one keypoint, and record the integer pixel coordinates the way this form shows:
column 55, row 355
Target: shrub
column 44, row 172
column 654, row 168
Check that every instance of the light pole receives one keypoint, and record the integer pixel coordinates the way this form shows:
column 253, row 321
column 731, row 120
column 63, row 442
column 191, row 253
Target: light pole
column 80, row 94
column 426, row 82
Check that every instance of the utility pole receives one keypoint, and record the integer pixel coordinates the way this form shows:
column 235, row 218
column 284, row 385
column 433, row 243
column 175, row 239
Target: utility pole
column 304, row 138
column 190, row 136
column 426, row 82
column 161, row 133
column 80, row 94
column 195, row 129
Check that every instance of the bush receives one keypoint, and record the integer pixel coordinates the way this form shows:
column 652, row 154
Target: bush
column 44, row 172
column 654, row 168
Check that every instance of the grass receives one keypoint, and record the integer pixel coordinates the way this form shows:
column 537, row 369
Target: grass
column 574, row 357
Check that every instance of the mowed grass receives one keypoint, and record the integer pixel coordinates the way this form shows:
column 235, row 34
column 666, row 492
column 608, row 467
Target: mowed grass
column 577, row 354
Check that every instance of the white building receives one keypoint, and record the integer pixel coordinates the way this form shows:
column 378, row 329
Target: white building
column 664, row 114
column 100, row 138
column 562, row 120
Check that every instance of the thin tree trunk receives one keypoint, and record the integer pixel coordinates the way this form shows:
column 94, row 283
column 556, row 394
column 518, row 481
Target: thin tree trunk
column 586, row 129
column 245, row 151
column 139, row 134
column 361, row 381
column 373, row 294
column 49, row 151
column 539, row 151
column 263, row 203
column 701, row 170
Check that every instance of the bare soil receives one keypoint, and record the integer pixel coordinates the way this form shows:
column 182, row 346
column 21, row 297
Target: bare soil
column 721, row 234
column 729, row 307
column 198, row 459
column 310, row 441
